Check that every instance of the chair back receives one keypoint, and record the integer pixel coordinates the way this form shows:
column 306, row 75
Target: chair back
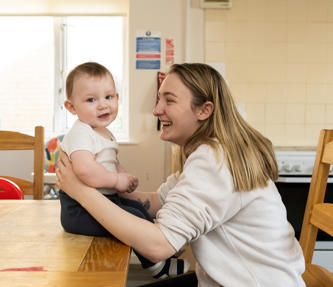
column 318, row 214
column 10, row 140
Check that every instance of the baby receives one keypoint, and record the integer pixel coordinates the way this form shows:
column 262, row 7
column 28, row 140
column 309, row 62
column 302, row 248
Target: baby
column 92, row 148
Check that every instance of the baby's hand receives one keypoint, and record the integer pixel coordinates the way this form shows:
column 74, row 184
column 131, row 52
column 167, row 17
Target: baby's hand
column 126, row 182
column 134, row 184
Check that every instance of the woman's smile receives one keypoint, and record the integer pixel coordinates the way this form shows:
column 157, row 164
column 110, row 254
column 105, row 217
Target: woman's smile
column 166, row 124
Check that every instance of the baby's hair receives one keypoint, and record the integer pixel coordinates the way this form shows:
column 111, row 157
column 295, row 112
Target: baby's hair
column 92, row 69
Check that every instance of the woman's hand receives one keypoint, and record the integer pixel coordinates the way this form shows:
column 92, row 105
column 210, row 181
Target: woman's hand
column 66, row 178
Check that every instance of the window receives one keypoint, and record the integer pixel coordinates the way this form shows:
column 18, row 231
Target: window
column 36, row 53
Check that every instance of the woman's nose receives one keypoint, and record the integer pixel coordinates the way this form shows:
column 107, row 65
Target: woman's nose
column 158, row 109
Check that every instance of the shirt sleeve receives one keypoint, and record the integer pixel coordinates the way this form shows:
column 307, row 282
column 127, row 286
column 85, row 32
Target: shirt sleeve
column 167, row 186
column 79, row 137
column 203, row 198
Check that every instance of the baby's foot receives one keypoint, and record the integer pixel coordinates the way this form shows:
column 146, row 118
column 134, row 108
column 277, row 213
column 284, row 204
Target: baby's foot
column 169, row 267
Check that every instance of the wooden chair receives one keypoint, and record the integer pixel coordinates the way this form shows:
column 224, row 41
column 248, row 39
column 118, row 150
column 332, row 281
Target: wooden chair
column 317, row 213
column 10, row 140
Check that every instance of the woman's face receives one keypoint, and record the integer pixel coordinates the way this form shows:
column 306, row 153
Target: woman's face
column 173, row 108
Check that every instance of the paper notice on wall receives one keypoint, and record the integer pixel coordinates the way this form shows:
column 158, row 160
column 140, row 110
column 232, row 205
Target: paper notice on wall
column 169, row 51
column 148, row 50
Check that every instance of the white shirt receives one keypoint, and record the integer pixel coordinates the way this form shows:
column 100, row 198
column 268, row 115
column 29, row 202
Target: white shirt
column 238, row 238
column 82, row 137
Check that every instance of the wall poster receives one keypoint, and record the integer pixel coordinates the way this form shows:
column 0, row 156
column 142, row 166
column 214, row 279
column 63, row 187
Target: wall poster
column 169, row 51
column 148, row 50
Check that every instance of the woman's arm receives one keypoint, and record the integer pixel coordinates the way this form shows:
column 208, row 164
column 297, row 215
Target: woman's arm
column 144, row 236
column 149, row 200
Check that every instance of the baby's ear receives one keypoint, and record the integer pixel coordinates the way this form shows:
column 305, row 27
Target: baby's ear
column 69, row 107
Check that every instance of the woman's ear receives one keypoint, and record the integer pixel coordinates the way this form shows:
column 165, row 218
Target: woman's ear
column 205, row 111
column 69, row 107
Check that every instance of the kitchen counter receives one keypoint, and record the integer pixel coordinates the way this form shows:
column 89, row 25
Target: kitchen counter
column 295, row 148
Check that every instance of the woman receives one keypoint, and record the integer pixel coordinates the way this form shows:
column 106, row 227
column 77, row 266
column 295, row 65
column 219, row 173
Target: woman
column 223, row 200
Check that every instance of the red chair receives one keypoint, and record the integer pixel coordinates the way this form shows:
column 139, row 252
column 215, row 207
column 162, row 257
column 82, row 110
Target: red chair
column 9, row 190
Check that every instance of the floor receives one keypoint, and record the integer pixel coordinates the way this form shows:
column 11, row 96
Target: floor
column 137, row 276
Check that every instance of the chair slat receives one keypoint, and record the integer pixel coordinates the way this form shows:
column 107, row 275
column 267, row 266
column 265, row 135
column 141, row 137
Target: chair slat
column 328, row 154
column 39, row 163
column 322, row 217
column 316, row 276
column 16, row 141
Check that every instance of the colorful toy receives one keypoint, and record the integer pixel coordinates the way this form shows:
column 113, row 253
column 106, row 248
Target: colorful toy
column 52, row 148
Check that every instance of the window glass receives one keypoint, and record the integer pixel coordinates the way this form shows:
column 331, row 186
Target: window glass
column 99, row 39
column 26, row 72
column 36, row 53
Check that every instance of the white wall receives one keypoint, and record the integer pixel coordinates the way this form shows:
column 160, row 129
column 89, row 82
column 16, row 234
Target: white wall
column 149, row 159
column 16, row 163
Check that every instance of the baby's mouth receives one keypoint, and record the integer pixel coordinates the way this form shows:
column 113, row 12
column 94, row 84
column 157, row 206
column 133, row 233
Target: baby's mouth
column 102, row 116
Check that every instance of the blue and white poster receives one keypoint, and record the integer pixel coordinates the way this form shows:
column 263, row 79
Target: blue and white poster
column 148, row 51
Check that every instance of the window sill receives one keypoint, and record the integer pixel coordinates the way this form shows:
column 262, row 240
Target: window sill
column 127, row 142
column 49, row 135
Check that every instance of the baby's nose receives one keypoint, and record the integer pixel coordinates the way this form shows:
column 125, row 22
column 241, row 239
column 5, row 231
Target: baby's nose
column 102, row 104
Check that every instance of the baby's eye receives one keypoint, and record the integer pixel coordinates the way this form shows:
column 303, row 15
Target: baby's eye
column 108, row 97
column 90, row 100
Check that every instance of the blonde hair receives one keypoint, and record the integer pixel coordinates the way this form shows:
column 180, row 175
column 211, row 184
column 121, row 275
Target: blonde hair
column 92, row 69
column 249, row 155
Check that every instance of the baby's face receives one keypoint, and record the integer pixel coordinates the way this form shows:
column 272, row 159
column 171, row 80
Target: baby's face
column 95, row 100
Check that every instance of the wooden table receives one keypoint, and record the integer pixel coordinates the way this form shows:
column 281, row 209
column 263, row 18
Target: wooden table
column 36, row 251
